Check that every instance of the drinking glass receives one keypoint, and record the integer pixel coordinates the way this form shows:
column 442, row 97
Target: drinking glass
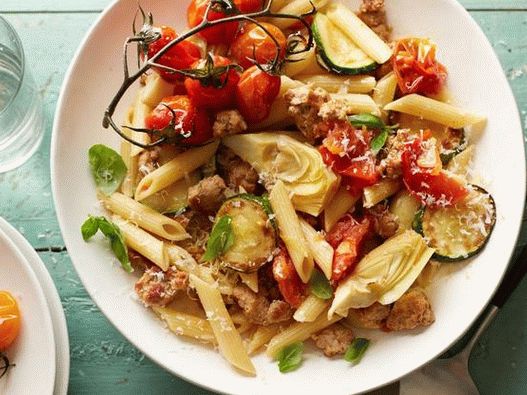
column 21, row 117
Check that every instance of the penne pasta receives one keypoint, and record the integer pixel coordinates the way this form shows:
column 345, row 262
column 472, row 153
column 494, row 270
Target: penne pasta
column 320, row 249
column 434, row 110
column 174, row 170
column 356, row 103
column 342, row 202
column 229, row 340
column 290, row 231
column 145, row 217
column 183, row 324
column 141, row 111
column 261, row 336
column 296, row 7
column 155, row 90
column 143, row 242
column 298, row 332
column 353, row 27
column 129, row 182
column 276, row 5
column 303, row 63
column 182, row 259
column 378, row 192
column 341, row 84
column 310, row 309
column 384, row 92
column 251, row 280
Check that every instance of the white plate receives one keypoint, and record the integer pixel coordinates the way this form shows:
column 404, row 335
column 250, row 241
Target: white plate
column 60, row 330
column 478, row 83
column 33, row 351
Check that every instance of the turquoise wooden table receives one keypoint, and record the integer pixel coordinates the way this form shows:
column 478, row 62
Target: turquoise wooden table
column 102, row 361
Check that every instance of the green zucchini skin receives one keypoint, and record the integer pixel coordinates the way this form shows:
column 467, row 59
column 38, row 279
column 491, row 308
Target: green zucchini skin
column 424, row 219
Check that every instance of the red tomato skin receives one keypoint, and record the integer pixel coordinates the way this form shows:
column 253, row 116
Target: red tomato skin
column 192, row 120
column 254, row 43
column 435, row 190
column 248, row 6
column 181, row 56
column 255, row 94
column 289, row 283
column 219, row 34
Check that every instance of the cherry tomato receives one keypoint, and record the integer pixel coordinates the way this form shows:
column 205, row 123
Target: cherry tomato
column 248, row 6
column 433, row 187
column 191, row 123
column 415, row 65
column 255, row 93
column 181, row 56
column 9, row 320
column 209, row 96
column 289, row 283
column 347, row 237
column 255, row 43
column 219, row 34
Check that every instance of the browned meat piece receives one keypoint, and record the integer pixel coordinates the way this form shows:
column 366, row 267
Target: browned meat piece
column 158, row 288
column 236, row 171
column 384, row 69
column 390, row 165
column 258, row 309
column 372, row 317
column 373, row 14
column 333, row 340
column 385, row 223
column 411, row 311
column 148, row 161
column 228, row 122
column 207, row 195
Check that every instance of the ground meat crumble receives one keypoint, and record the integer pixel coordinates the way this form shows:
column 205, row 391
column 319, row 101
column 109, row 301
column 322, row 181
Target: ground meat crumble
column 333, row 340
column 207, row 195
column 158, row 288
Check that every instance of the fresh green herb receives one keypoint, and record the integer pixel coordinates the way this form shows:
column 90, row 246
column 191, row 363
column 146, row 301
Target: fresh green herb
column 368, row 120
column 356, row 350
column 290, row 357
column 320, row 286
column 221, row 238
column 417, row 223
column 107, row 167
column 378, row 142
column 93, row 224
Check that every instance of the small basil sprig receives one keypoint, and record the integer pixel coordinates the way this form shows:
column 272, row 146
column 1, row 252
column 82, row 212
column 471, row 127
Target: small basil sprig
column 356, row 350
column 373, row 122
column 107, row 168
column 320, row 286
column 221, row 238
column 290, row 357
column 93, row 224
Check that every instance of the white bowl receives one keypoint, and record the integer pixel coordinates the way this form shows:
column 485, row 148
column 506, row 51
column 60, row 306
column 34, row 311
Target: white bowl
column 477, row 82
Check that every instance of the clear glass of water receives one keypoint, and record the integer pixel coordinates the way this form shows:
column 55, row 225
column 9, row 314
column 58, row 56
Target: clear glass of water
column 21, row 115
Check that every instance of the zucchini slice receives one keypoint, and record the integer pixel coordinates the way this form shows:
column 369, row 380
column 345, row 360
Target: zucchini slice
column 254, row 232
column 336, row 52
column 461, row 231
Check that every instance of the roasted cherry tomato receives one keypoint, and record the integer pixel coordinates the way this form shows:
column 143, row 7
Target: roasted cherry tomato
column 9, row 320
column 430, row 184
column 181, row 56
column 219, row 34
column 255, row 93
column 254, row 43
column 347, row 238
column 247, row 6
column 415, row 65
column 205, row 94
column 289, row 283
column 191, row 122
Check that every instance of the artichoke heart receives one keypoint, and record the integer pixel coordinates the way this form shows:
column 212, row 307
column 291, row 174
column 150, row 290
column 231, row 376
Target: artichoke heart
column 384, row 274
column 278, row 156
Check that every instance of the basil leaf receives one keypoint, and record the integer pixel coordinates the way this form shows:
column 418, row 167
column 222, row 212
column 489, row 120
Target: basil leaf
column 356, row 350
column 368, row 120
column 221, row 238
column 320, row 286
column 107, row 168
column 112, row 233
column 378, row 142
column 290, row 357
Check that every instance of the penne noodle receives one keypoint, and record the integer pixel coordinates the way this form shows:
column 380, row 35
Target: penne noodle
column 183, row 324
column 145, row 217
column 384, row 92
column 276, row 5
column 353, row 27
column 229, row 340
column 129, row 182
column 143, row 242
column 251, row 280
column 296, row 7
column 341, row 84
column 320, row 249
column 343, row 202
column 298, row 332
column 141, row 111
column 378, row 192
column 303, row 63
column 155, row 90
column 261, row 336
column 310, row 309
column 174, row 170
column 290, row 231
column 182, row 259
column 434, row 110
column 356, row 103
